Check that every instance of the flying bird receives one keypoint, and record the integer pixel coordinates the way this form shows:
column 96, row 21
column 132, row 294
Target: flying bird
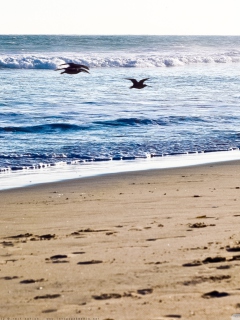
column 73, row 68
column 74, row 65
column 138, row 84
column 70, row 70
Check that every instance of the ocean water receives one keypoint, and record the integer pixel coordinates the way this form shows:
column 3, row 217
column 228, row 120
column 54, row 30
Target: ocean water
column 68, row 122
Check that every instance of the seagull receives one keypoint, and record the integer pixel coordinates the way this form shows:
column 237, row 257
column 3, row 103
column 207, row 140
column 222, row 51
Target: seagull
column 74, row 65
column 70, row 70
column 138, row 84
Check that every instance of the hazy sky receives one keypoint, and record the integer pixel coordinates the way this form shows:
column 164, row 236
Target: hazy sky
column 163, row 17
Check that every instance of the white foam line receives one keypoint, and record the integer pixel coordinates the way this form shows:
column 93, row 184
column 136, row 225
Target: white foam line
column 9, row 180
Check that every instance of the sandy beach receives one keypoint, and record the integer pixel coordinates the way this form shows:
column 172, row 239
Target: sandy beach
column 157, row 244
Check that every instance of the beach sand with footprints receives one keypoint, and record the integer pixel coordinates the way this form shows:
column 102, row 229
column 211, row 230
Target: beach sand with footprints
column 158, row 244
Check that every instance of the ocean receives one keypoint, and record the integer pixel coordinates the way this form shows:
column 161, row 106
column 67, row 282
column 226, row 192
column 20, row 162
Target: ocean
column 57, row 126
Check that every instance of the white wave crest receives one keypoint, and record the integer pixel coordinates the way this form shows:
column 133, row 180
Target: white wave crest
column 111, row 61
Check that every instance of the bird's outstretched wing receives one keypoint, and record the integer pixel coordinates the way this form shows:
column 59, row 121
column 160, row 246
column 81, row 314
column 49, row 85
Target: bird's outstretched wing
column 75, row 65
column 83, row 70
column 134, row 81
column 141, row 81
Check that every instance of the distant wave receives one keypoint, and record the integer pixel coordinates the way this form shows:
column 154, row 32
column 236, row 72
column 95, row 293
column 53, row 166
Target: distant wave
column 125, row 61
column 45, row 128
column 139, row 122
column 127, row 122
column 121, row 122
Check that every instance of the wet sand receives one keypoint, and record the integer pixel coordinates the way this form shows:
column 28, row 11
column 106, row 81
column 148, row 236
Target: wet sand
column 157, row 244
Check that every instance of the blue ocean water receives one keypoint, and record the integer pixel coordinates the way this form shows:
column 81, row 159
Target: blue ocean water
column 192, row 103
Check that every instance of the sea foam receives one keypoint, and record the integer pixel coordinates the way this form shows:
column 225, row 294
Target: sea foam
column 51, row 62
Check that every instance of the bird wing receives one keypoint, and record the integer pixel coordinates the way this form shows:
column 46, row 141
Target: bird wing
column 83, row 70
column 141, row 81
column 75, row 65
column 83, row 66
column 134, row 81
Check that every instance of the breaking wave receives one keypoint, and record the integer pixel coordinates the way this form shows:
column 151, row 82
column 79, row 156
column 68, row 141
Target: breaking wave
column 51, row 62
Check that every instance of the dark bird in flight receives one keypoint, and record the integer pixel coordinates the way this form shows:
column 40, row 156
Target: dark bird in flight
column 70, row 70
column 138, row 84
column 74, row 65
column 73, row 68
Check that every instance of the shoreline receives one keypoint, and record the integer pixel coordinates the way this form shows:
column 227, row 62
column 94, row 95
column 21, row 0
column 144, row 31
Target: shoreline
column 23, row 178
column 133, row 245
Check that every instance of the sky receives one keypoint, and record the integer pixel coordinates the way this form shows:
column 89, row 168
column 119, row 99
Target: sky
column 113, row 17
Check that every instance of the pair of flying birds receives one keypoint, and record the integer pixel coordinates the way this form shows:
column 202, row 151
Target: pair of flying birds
column 75, row 68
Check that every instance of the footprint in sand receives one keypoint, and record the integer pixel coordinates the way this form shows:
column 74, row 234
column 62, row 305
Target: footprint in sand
column 145, row 291
column 31, row 281
column 197, row 225
column 58, row 258
column 233, row 249
column 205, row 261
column 214, row 260
column 201, row 279
column 47, row 236
column 106, row 296
column 7, row 244
column 33, row 237
column 215, row 294
column 90, row 262
column 195, row 263
column 79, row 252
column 200, row 225
column 9, row 278
column 48, row 296
column 223, row 267
column 19, row 236
column 49, row 310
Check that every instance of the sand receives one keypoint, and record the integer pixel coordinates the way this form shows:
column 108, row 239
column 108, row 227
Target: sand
column 158, row 244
